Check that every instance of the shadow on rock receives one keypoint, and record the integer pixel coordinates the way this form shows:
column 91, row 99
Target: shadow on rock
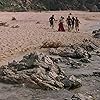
column 37, row 71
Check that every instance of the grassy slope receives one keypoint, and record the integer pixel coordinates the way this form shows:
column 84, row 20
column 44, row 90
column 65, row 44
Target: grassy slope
column 18, row 5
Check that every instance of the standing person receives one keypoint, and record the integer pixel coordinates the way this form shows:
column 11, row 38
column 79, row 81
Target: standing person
column 69, row 23
column 73, row 22
column 77, row 22
column 70, row 14
column 61, row 26
column 51, row 20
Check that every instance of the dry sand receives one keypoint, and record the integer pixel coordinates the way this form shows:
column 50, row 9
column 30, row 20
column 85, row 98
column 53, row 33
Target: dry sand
column 34, row 29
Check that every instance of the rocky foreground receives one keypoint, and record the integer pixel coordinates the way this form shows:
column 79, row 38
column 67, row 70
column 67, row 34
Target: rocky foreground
column 56, row 65
column 96, row 34
column 49, row 71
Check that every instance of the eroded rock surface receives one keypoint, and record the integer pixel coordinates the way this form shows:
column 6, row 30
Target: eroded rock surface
column 55, row 70
column 37, row 70
column 96, row 33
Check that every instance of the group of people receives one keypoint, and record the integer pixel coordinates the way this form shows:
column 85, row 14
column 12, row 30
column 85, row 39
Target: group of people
column 72, row 23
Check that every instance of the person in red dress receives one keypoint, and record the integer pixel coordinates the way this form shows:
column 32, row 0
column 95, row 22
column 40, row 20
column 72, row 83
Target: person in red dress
column 61, row 26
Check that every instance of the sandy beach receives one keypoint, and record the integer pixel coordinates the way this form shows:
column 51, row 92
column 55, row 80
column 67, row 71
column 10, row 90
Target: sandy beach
column 33, row 29
column 27, row 34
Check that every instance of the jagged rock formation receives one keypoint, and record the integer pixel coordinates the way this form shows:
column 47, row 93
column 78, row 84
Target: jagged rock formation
column 96, row 34
column 25, row 5
column 38, row 70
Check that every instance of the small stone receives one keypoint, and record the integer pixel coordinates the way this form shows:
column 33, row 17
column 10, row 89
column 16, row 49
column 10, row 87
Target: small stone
column 85, row 60
column 13, row 18
column 15, row 26
column 74, row 97
column 96, row 74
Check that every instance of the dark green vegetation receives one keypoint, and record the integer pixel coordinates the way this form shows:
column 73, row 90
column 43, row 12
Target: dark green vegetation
column 26, row 5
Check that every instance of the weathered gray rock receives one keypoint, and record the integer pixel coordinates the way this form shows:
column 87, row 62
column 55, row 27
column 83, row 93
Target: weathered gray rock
column 85, row 60
column 74, row 64
column 72, row 83
column 76, row 53
column 80, row 96
column 88, row 45
column 35, row 70
column 75, row 98
column 96, row 74
column 96, row 33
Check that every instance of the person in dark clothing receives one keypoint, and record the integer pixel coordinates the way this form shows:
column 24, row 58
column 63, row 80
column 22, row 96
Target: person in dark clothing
column 77, row 22
column 73, row 23
column 51, row 20
column 69, row 23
